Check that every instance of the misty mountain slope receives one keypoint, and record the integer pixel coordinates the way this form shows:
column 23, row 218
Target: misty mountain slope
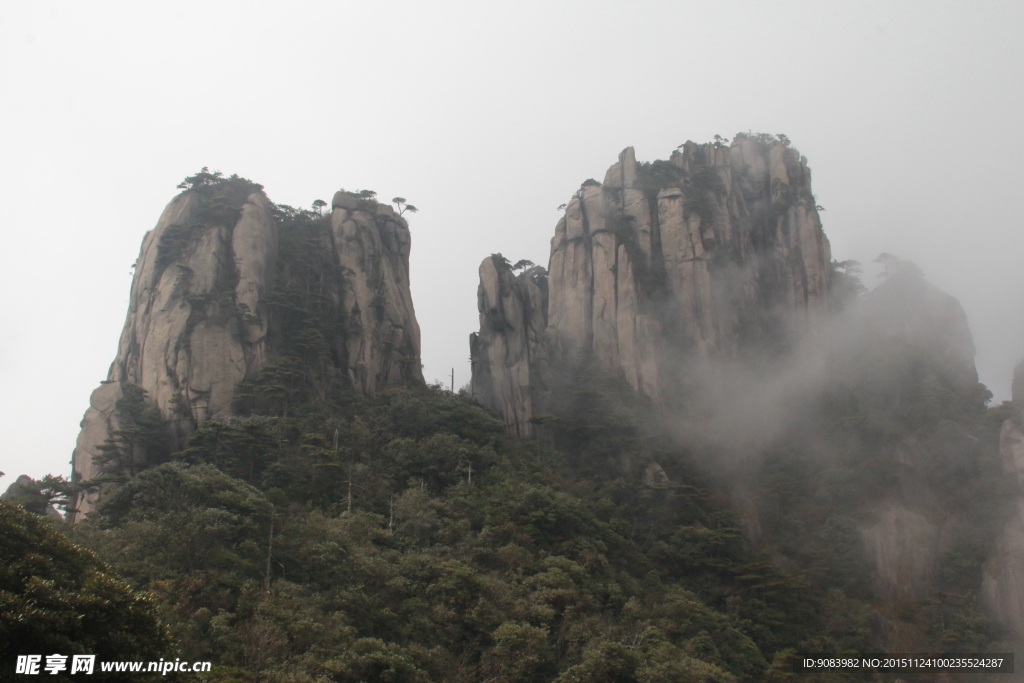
column 896, row 449
column 463, row 554
column 848, row 430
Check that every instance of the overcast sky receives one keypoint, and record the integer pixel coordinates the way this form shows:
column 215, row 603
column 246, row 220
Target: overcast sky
column 487, row 116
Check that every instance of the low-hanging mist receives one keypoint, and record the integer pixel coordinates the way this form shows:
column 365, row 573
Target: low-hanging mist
column 693, row 305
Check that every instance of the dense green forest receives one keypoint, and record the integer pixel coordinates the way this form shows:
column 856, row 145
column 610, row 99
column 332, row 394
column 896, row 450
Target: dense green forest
column 404, row 537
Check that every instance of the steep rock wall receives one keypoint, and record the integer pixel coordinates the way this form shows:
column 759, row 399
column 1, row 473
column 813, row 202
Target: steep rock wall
column 372, row 244
column 201, row 315
column 509, row 351
column 717, row 248
column 101, row 420
column 197, row 323
column 1002, row 593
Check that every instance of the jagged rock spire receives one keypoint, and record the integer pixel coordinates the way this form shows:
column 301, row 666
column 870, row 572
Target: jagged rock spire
column 201, row 316
column 508, row 352
column 699, row 254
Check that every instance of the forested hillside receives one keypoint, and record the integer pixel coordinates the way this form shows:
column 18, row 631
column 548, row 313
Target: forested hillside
column 338, row 520
column 465, row 555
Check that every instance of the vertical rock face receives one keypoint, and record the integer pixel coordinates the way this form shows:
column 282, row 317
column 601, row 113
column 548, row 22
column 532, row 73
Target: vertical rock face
column 716, row 248
column 101, row 420
column 372, row 244
column 201, row 315
column 509, row 351
column 197, row 315
column 1002, row 591
column 903, row 547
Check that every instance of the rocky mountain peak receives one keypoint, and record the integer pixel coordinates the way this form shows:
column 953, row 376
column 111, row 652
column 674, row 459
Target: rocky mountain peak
column 717, row 248
column 235, row 299
column 511, row 340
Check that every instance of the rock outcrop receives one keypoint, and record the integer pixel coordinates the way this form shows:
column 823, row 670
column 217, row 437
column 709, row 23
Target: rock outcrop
column 371, row 244
column 903, row 547
column 27, row 493
column 1002, row 592
column 715, row 249
column 100, row 422
column 197, row 314
column 205, row 309
column 509, row 351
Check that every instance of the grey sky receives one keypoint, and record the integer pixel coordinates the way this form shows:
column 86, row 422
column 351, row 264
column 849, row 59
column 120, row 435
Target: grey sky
column 486, row 116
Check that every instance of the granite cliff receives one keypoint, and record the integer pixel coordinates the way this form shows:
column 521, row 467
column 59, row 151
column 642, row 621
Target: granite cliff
column 717, row 249
column 1003, row 586
column 511, row 341
column 232, row 293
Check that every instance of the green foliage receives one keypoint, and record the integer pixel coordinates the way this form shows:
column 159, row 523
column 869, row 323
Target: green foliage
column 402, row 206
column 29, row 495
column 522, row 571
column 600, row 420
column 141, row 440
column 240, row 446
column 61, row 493
column 706, row 187
column 764, row 139
column 192, row 535
column 220, row 203
column 655, row 176
column 895, row 267
column 899, row 423
column 56, row 596
column 275, row 388
column 844, row 284
column 405, row 537
column 501, row 262
column 307, row 320
column 202, row 179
